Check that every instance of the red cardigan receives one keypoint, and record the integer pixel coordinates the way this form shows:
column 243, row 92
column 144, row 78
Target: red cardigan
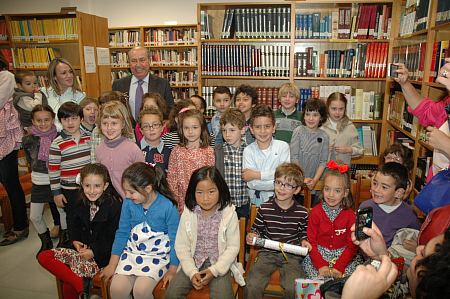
column 332, row 235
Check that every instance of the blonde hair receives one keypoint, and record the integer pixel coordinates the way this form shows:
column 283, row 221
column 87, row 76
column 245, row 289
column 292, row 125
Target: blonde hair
column 51, row 74
column 117, row 110
column 88, row 100
column 289, row 88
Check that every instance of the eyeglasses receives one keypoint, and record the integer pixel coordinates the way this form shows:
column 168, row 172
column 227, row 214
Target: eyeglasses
column 392, row 158
column 147, row 127
column 285, row 185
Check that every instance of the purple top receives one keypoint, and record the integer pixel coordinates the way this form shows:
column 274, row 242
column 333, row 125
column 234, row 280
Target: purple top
column 207, row 244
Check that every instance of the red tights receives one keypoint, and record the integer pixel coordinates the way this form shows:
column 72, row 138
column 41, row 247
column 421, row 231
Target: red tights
column 72, row 284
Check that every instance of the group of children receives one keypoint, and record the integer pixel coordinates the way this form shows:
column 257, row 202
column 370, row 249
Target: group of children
column 210, row 187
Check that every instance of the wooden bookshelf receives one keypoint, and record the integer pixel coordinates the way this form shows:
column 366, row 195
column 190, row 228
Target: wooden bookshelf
column 61, row 35
column 428, row 36
column 172, row 53
column 214, row 34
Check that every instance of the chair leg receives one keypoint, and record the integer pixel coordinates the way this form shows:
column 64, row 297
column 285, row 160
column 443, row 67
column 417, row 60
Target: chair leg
column 105, row 290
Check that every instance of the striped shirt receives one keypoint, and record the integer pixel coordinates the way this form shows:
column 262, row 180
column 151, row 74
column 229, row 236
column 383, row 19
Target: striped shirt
column 66, row 158
column 277, row 224
column 172, row 138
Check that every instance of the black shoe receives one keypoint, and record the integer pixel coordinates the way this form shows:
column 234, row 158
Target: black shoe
column 64, row 241
column 14, row 237
column 46, row 242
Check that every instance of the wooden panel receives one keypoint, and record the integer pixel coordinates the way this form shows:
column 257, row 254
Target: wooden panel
column 102, row 40
column 87, row 38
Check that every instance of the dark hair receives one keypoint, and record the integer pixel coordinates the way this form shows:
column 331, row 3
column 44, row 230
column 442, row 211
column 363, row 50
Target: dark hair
column 221, row 90
column 207, row 173
column 43, row 107
column 112, row 95
column 262, row 111
column 160, row 102
column 233, row 116
column 140, row 175
column 347, row 202
column 316, row 105
column 396, row 171
column 194, row 113
column 292, row 172
column 434, row 273
column 3, row 63
column 173, row 115
column 202, row 100
column 401, row 151
column 19, row 76
column 69, row 109
column 98, row 169
column 248, row 90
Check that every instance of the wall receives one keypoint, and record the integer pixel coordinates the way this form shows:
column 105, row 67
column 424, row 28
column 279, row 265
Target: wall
column 120, row 13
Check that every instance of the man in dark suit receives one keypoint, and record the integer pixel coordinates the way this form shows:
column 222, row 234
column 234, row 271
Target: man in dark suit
column 142, row 81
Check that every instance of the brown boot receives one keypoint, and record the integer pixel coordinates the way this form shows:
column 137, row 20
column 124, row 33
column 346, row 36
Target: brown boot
column 64, row 241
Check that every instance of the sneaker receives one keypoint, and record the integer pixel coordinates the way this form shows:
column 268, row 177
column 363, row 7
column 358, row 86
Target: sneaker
column 15, row 237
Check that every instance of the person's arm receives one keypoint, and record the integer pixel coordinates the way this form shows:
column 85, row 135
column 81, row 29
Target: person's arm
column 173, row 220
column 350, row 251
column 439, row 140
column 251, row 174
column 357, row 149
column 295, row 145
column 183, row 247
column 172, row 174
column 444, row 80
column 7, row 87
column 412, row 96
column 54, row 173
column 313, row 237
column 374, row 246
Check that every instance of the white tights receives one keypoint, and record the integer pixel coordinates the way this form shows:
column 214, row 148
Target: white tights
column 122, row 285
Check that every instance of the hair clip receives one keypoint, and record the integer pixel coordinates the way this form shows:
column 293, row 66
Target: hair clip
column 333, row 165
column 184, row 110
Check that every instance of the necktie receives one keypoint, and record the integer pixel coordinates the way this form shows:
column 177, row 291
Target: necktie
column 138, row 99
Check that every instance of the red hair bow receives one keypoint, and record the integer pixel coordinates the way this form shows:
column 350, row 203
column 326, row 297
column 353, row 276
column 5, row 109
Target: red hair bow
column 333, row 165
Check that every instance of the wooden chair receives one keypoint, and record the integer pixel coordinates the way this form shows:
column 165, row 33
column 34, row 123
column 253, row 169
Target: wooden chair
column 99, row 287
column 362, row 190
column 159, row 292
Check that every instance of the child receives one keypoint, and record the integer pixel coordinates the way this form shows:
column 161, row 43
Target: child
column 390, row 213
column 333, row 252
column 69, row 152
column 262, row 157
column 116, row 151
column 172, row 138
column 245, row 98
column 37, row 146
column 143, row 250
column 207, row 240
column 343, row 137
column 309, row 144
column 228, row 158
column 292, row 230
column 199, row 102
column 96, row 219
column 192, row 153
column 27, row 96
column 287, row 117
column 398, row 153
column 155, row 100
column 155, row 151
column 90, row 113
column 222, row 101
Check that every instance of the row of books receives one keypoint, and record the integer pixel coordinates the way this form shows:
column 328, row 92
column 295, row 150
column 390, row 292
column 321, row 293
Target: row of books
column 257, row 22
column 124, row 38
column 423, row 166
column 177, row 78
column 443, row 12
column 361, row 22
column 34, row 57
column 364, row 61
column 207, row 94
column 44, row 29
column 3, row 32
column 173, row 57
column 365, row 170
column 368, row 140
column 268, row 96
column 118, row 74
column 399, row 115
column 170, row 36
column 183, row 93
column 441, row 50
column 6, row 54
column 415, row 16
column 245, row 60
column 119, row 59
column 413, row 56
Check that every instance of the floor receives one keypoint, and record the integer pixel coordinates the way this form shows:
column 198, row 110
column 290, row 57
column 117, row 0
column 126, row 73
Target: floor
column 21, row 276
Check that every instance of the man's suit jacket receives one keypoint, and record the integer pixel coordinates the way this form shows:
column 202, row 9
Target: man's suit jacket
column 155, row 84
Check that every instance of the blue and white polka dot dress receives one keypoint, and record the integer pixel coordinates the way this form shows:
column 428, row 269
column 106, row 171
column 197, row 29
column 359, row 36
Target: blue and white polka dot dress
column 146, row 254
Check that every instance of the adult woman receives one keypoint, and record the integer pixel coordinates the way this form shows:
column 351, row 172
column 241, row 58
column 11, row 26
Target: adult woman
column 63, row 85
column 10, row 138
column 430, row 113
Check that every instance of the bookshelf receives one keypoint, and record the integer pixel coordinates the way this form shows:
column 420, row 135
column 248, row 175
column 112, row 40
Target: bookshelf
column 422, row 44
column 35, row 39
column 322, row 46
column 173, row 54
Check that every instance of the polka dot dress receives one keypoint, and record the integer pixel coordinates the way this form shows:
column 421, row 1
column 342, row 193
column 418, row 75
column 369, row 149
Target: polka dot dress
column 146, row 253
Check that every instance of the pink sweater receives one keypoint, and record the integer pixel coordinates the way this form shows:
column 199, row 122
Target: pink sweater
column 182, row 163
